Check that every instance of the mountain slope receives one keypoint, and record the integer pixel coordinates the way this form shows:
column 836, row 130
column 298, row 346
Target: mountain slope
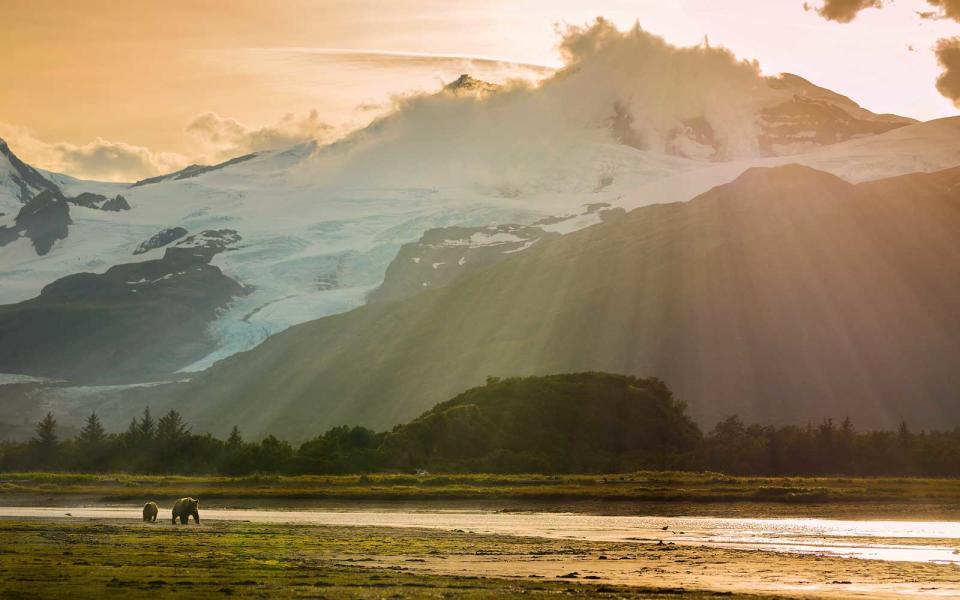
column 136, row 320
column 193, row 171
column 784, row 296
column 19, row 181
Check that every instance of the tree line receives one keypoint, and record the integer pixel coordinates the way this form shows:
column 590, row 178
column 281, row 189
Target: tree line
column 569, row 423
column 166, row 445
column 829, row 448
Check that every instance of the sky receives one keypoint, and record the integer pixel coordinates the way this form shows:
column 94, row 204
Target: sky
column 118, row 90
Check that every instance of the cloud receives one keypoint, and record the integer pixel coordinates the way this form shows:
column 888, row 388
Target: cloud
column 615, row 86
column 843, row 11
column 99, row 159
column 224, row 137
column 948, row 55
column 215, row 139
column 947, row 9
column 947, row 50
column 113, row 161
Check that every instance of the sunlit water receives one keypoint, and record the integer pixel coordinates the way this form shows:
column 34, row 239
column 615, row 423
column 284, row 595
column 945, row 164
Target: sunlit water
column 920, row 541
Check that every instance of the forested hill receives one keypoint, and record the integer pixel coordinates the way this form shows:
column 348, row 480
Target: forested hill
column 557, row 423
column 784, row 297
column 571, row 423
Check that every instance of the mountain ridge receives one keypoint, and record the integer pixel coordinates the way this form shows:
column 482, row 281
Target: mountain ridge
column 740, row 299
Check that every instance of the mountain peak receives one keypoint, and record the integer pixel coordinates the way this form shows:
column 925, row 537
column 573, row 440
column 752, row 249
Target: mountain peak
column 26, row 181
column 466, row 83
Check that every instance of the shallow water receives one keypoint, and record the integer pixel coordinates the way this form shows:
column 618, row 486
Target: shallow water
column 920, row 541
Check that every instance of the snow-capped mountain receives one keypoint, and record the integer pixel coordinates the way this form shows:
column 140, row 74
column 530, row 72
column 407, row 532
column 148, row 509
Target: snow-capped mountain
column 786, row 296
column 310, row 231
column 19, row 182
column 307, row 250
column 137, row 320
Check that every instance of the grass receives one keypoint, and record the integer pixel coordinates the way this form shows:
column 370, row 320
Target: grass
column 635, row 487
column 58, row 559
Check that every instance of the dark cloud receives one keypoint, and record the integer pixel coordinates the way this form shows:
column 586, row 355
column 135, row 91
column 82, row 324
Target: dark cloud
column 948, row 9
column 947, row 49
column 948, row 55
column 843, row 11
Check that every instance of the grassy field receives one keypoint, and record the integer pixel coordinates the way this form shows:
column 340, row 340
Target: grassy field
column 657, row 487
column 60, row 559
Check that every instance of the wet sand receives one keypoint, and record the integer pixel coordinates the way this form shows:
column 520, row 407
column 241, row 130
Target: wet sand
column 888, row 540
column 701, row 568
column 432, row 545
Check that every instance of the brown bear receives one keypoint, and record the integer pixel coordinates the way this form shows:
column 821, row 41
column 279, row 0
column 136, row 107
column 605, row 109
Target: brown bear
column 150, row 511
column 184, row 508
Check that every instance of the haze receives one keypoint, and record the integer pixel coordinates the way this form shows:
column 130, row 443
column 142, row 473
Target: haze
column 114, row 91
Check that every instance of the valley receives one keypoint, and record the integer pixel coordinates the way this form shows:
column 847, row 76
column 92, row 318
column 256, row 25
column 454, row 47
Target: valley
column 480, row 300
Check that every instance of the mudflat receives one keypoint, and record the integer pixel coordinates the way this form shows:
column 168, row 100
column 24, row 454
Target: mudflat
column 72, row 557
column 668, row 493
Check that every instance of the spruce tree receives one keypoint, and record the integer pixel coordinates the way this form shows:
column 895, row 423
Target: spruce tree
column 171, row 428
column 46, row 444
column 234, row 440
column 146, row 429
column 92, row 434
column 47, row 432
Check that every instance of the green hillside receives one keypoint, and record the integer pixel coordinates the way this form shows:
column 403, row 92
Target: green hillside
column 786, row 296
column 582, row 422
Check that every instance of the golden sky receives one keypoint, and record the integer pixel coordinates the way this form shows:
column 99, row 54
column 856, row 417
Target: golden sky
column 120, row 89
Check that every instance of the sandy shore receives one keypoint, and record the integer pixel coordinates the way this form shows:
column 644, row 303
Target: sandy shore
column 700, row 568
column 118, row 547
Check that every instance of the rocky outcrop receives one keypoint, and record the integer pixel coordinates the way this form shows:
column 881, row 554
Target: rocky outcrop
column 444, row 255
column 44, row 220
column 100, row 202
column 796, row 116
column 804, row 123
column 215, row 240
column 206, row 243
column 465, row 84
column 117, row 203
column 161, row 239
column 88, row 200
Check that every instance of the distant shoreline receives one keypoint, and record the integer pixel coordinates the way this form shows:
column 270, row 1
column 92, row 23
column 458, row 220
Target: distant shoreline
column 666, row 493
column 91, row 558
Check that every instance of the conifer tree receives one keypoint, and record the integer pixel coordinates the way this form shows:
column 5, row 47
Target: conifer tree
column 47, row 432
column 92, row 434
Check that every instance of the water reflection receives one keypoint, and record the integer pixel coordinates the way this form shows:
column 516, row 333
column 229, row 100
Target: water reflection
column 920, row 541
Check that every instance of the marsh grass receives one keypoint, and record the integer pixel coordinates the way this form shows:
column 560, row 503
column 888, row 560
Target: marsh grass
column 641, row 486
column 57, row 559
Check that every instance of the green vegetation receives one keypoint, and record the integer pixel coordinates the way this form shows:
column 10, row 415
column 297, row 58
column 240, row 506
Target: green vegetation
column 44, row 559
column 786, row 295
column 757, row 495
column 558, row 424
column 585, row 422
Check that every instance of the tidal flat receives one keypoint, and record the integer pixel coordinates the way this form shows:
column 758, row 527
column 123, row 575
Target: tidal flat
column 83, row 558
column 80, row 536
column 668, row 493
column 58, row 558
